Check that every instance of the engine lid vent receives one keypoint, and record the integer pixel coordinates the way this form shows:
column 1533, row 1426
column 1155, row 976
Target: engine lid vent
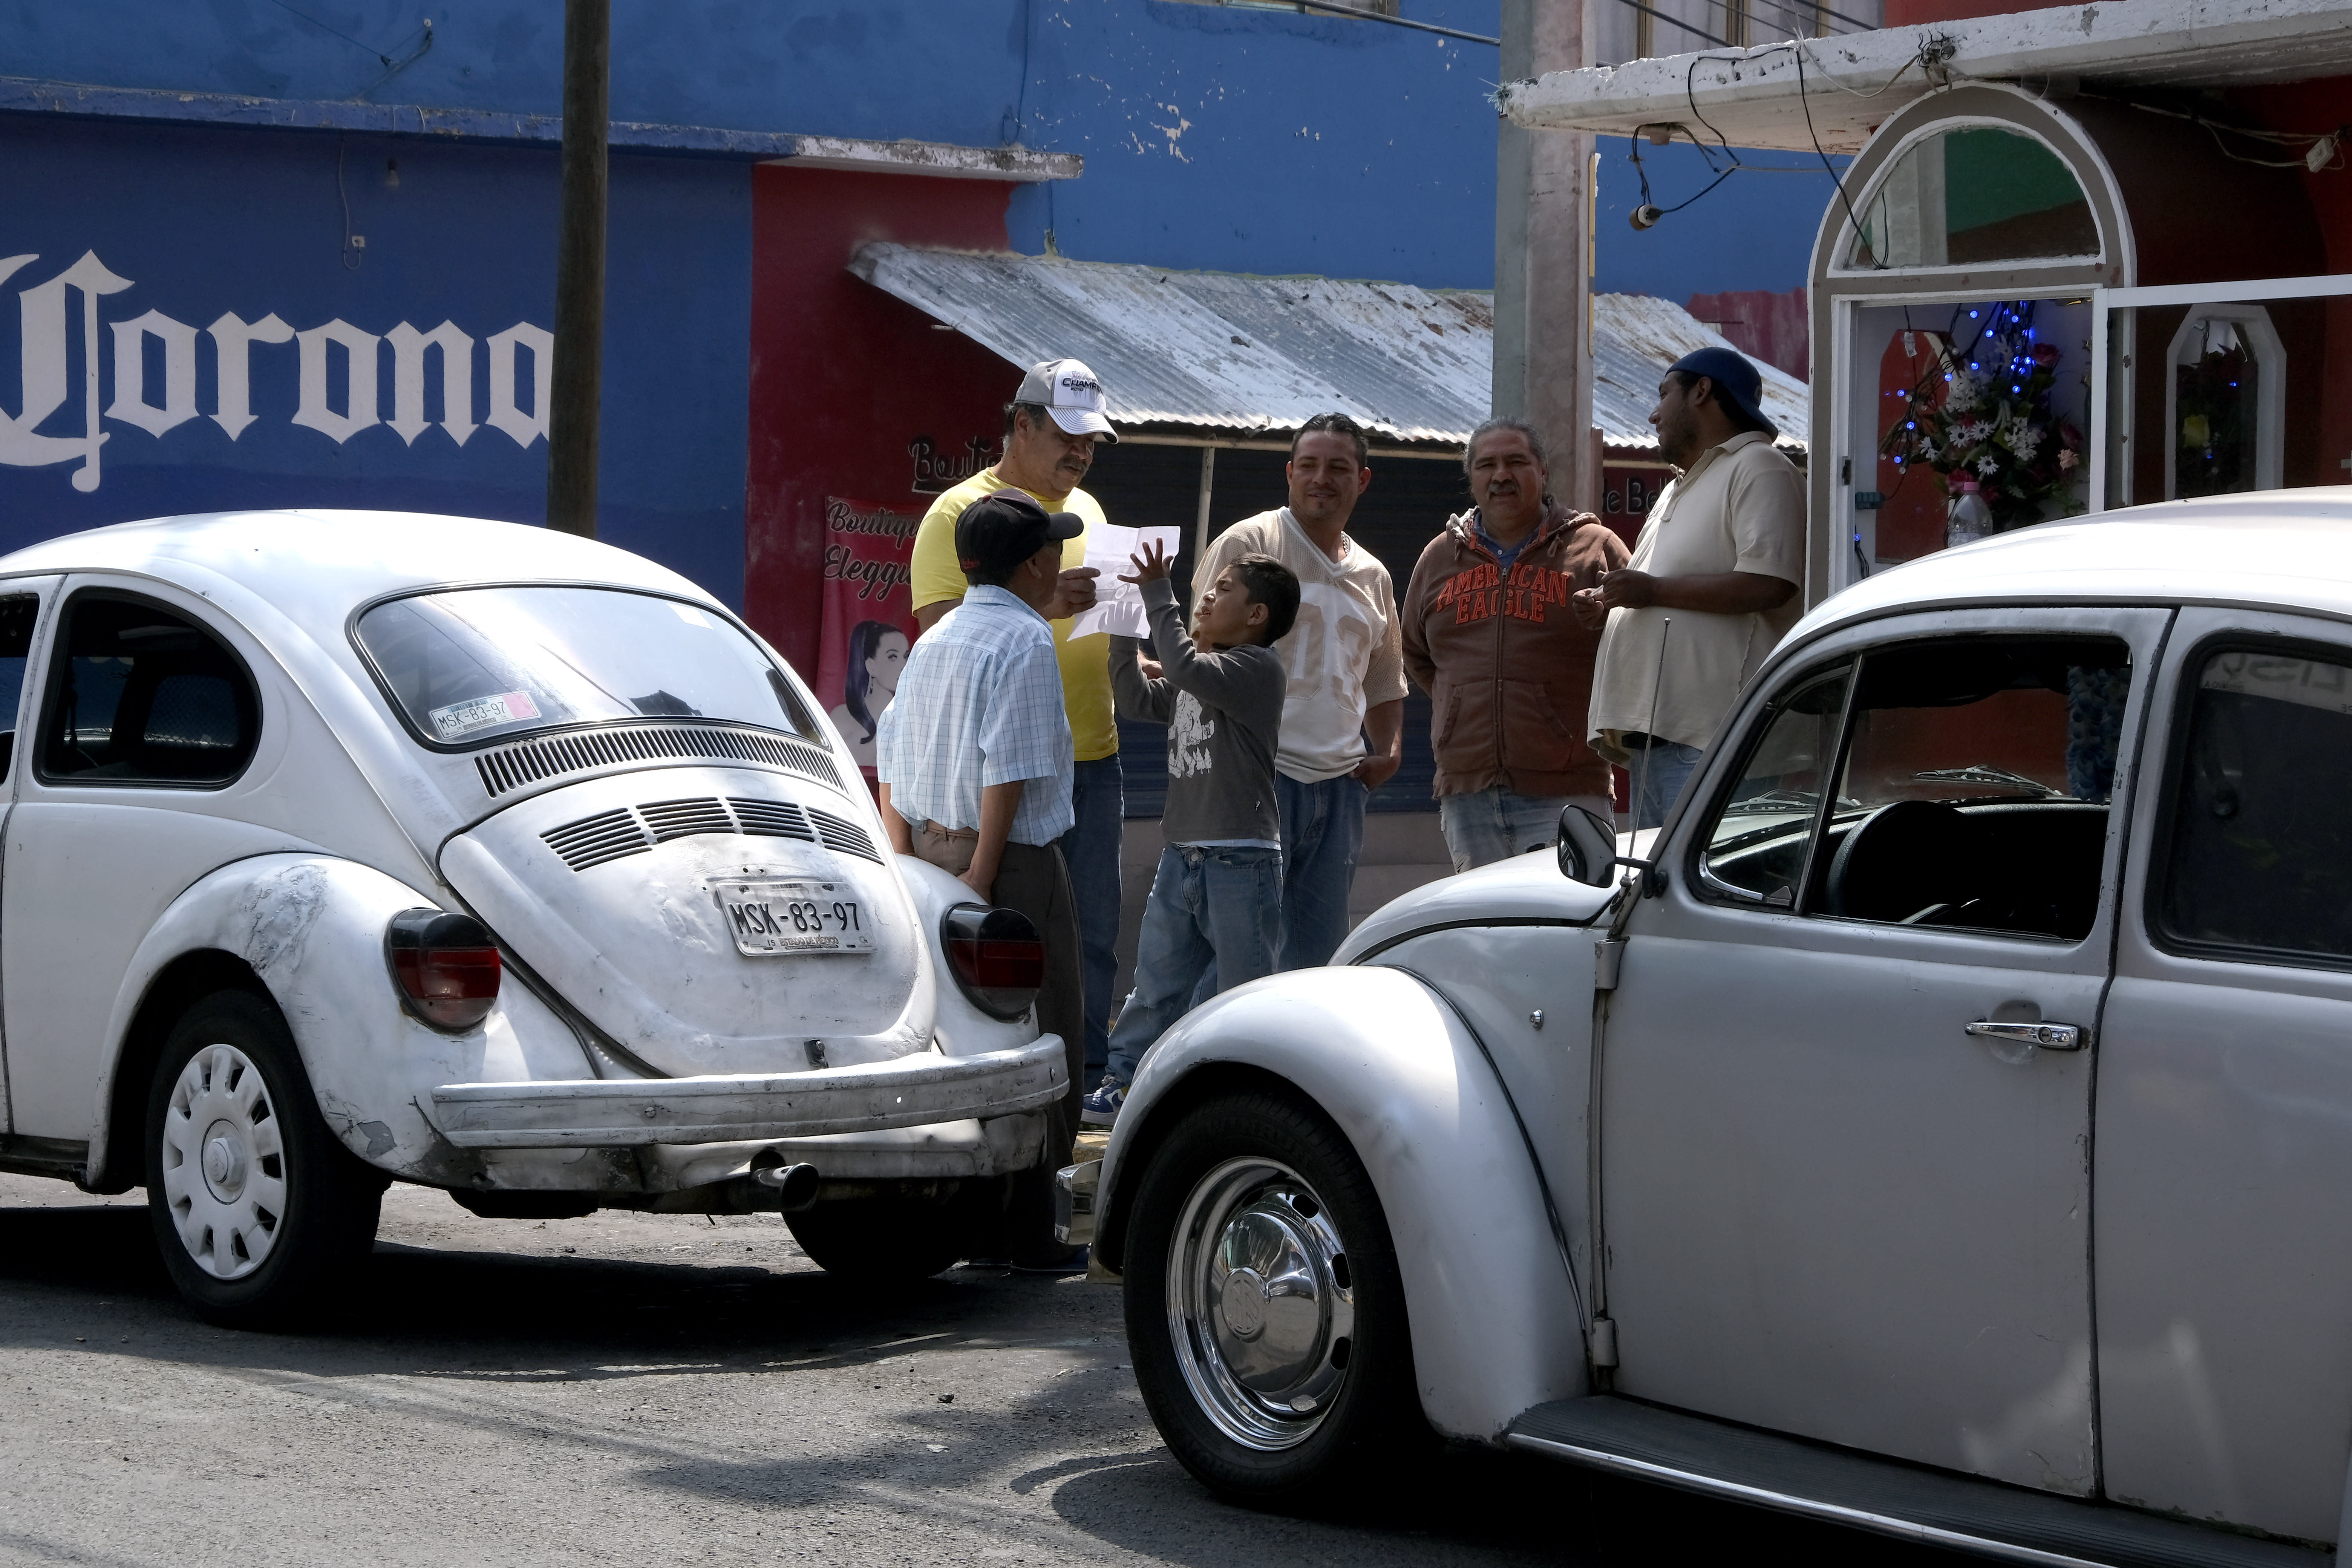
column 507, row 768
column 632, row 830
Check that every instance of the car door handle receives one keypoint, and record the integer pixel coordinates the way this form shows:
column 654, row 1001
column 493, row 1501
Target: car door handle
column 2049, row 1037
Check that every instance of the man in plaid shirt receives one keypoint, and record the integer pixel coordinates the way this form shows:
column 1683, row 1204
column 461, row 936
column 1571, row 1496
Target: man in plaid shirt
column 974, row 759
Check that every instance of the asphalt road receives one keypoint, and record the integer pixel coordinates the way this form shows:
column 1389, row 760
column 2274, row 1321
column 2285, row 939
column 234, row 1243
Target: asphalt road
column 653, row 1390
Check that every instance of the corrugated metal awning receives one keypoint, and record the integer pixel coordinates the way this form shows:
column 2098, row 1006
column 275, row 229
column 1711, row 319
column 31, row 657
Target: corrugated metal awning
column 1230, row 356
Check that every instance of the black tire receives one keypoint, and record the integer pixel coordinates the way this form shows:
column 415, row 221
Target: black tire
column 263, row 1222
column 886, row 1238
column 1263, row 1170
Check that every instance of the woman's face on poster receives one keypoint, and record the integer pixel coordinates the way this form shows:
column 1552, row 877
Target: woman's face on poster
column 883, row 665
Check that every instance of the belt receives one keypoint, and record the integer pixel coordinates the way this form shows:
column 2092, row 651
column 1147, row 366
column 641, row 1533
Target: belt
column 933, row 830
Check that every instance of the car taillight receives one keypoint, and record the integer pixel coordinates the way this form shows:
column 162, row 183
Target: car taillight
column 997, row 957
column 446, row 966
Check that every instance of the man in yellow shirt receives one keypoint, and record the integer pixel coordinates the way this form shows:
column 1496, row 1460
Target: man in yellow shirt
column 1050, row 429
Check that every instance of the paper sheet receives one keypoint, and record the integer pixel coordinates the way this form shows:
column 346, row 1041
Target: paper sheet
column 1119, row 607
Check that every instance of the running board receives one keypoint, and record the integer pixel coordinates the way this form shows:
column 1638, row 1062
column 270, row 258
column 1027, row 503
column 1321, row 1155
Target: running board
column 1932, row 1508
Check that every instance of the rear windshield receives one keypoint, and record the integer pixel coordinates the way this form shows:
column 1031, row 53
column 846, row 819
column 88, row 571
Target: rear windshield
column 473, row 665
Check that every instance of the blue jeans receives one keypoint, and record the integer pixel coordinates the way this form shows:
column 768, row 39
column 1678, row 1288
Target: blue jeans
column 1661, row 784
column 1211, row 911
column 1322, row 832
column 1491, row 825
column 1090, row 849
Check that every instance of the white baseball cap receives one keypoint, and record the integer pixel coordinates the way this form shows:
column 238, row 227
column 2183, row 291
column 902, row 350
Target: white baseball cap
column 1069, row 391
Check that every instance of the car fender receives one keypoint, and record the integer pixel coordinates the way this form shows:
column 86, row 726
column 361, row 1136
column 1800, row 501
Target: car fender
column 1495, row 1317
column 961, row 1029
column 310, row 927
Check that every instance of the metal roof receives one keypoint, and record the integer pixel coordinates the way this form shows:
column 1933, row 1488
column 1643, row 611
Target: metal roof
column 1228, row 355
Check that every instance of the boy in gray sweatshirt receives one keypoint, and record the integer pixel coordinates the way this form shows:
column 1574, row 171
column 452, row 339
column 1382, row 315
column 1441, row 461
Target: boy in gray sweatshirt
column 1217, row 898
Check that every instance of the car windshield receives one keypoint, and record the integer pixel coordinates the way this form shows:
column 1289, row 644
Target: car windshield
column 473, row 665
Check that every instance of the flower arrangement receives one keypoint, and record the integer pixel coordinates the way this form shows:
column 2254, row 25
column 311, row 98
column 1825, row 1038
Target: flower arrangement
column 1987, row 424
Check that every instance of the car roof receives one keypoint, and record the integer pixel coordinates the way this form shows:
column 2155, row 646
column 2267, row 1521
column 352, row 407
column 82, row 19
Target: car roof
column 316, row 566
column 2275, row 549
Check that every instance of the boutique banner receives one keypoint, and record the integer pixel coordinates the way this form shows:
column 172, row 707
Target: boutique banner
column 869, row 617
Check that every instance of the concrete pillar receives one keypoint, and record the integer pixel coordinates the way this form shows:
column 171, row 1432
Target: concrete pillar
column 1543, row 197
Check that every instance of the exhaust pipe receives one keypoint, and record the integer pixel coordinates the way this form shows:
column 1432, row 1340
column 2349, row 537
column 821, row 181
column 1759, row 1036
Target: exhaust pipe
column 795, row 1186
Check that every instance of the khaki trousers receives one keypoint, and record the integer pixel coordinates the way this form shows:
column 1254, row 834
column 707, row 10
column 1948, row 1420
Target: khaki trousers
column 1032, row 880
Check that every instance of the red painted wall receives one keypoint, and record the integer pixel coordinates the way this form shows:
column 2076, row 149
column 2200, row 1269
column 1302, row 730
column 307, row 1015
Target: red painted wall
column 2308, row 107
column 1774, row 328
column 844, row 377
column 1909, row 13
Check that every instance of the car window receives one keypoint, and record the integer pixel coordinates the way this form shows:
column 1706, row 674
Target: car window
column 1972, row 785
column 1755, row 847
column 142, row 695
column 2260, row 857
column 473, row 665
column 18, row 614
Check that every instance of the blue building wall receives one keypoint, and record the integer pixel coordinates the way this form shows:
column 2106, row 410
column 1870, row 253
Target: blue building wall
column 1237, row 139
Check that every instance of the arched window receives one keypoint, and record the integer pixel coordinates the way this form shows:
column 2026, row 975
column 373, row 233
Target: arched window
column 1972, row 195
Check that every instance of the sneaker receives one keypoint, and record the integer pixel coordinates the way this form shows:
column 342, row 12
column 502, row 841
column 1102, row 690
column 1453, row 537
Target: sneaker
column 1100, row 1109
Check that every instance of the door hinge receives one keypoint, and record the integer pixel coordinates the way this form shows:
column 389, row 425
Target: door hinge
column 1604, row 1342
column 1608, row 957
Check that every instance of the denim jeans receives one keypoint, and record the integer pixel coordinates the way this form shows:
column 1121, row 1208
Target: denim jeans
column 1090, row 848
column 1210, row 909
column 1661, row 784
column 1493, row 825
column 1322, row 832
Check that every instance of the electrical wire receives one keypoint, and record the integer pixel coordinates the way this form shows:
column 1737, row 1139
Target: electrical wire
column 353, row 256
column 1806, row 104
column 2308, row 140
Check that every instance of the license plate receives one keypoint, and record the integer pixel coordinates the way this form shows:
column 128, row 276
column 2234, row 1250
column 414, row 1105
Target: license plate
column 772, row 919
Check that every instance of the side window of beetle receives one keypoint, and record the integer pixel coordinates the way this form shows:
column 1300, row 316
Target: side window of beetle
column 18, row 614
column 1972, row 778
column 2260, row 847
column 1755, row 849
column 139, row 694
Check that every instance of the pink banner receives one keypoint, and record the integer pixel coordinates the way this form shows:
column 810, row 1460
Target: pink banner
column 869, row 617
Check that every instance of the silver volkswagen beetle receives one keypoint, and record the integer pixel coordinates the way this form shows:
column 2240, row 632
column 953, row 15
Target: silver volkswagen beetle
column 1944, row 1124
column 344, row 848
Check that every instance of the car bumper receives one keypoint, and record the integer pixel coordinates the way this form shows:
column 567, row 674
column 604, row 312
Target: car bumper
column 911, row 1091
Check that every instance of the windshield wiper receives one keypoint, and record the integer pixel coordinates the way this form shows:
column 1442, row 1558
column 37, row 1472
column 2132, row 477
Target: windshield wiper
column 1986, row 774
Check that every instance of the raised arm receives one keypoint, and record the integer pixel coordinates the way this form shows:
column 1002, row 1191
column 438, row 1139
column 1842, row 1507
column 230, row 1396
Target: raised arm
column 1136, row 694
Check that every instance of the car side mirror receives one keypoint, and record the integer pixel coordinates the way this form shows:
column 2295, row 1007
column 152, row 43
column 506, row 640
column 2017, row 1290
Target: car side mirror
column 1587, row 848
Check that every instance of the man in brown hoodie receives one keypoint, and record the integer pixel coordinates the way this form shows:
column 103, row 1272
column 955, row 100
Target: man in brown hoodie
column 1489, row 632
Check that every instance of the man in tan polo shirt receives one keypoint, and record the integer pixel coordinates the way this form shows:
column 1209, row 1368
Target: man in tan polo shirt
column 1720, row 557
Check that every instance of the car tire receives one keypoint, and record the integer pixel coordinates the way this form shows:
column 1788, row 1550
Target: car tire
column 885, row 1238
column 260, row 1214
column 1270, row 1396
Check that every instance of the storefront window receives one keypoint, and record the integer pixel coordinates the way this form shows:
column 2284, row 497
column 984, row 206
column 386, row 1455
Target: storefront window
column 2217, row 375
column 1975, row 194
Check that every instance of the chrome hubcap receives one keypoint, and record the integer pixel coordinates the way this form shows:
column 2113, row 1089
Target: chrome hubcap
column 224, row 1166
column 1261, row 1305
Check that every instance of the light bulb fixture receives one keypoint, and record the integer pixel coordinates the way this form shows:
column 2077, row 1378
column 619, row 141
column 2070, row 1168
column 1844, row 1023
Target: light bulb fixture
column 1646, row 215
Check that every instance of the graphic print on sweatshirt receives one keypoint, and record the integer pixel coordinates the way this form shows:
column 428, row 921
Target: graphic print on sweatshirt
column 1477, row 593
column 1189, row 730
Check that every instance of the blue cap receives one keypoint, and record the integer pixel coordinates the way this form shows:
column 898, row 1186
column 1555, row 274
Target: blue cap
column 1737, row 382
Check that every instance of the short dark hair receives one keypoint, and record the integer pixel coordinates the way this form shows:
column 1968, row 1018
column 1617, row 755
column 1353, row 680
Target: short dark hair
column 1737, row 415
column 1274, row 585
column 1037, row 412
column 1535, row 441
column 1339, row 425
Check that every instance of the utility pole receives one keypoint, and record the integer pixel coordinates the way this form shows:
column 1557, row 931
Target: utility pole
column 579, row 270
column 1543, row 209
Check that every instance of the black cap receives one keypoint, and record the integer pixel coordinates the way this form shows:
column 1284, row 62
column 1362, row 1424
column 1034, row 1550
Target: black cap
column 1737, row 382
column 999, row 531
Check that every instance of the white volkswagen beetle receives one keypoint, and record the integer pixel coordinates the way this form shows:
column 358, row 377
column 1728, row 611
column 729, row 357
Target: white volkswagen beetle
column 349, row 847
column 1943, row 1127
